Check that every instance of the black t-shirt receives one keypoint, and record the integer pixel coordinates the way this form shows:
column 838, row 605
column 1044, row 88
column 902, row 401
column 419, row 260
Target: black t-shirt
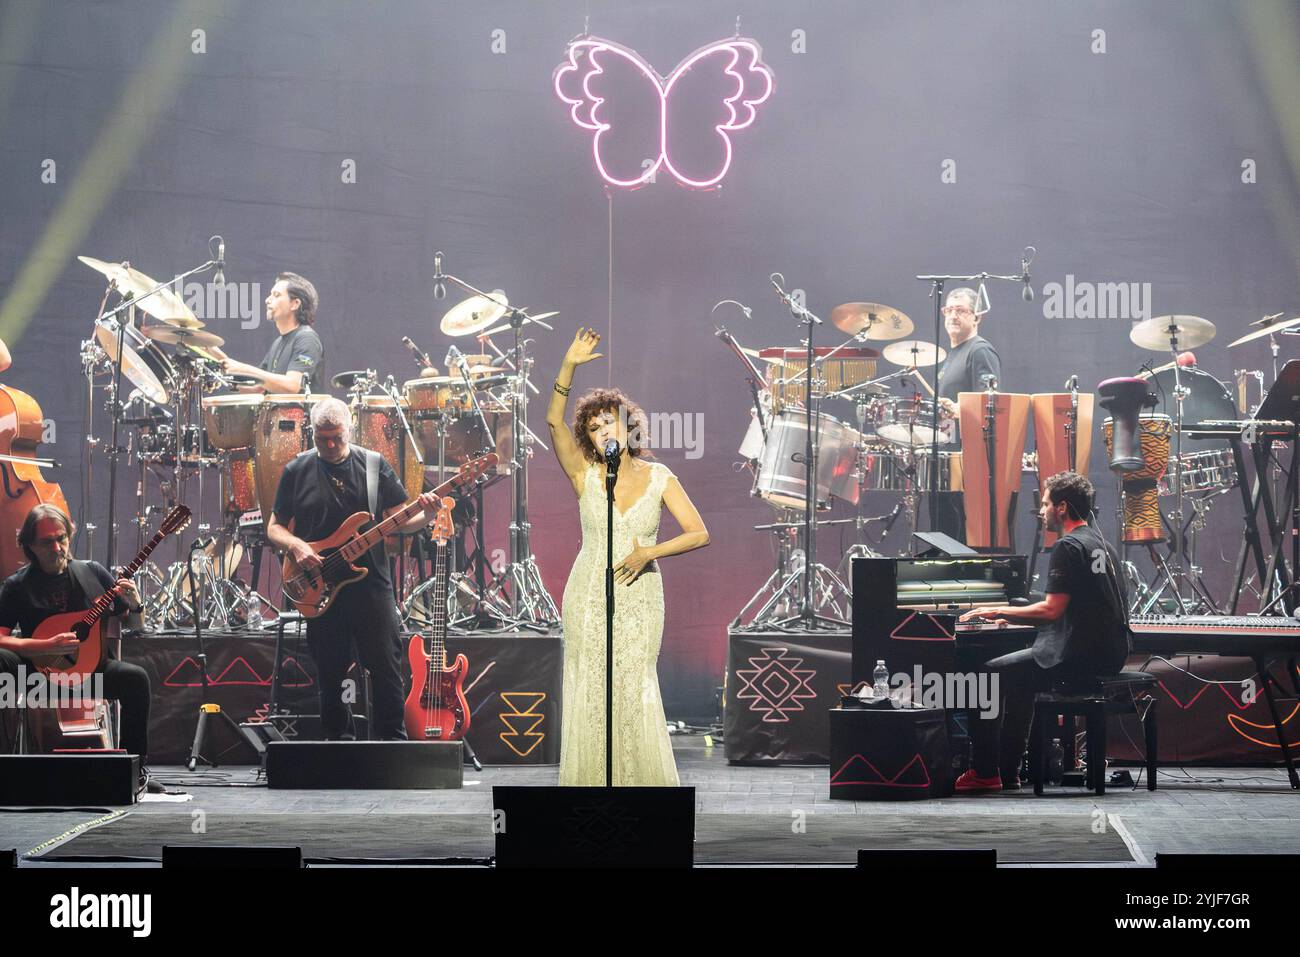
column 29, row 596
column 317, row 497
column 298, row 350
column 1092, row 636
column 966, row 365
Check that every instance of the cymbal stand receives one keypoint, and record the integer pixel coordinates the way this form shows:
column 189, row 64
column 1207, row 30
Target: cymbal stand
column 531, row 606
column 819, row 586
column 93, row 358
column 782, row 593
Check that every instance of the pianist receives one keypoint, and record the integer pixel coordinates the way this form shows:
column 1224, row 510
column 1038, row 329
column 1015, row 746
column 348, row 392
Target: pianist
column 1083, row 632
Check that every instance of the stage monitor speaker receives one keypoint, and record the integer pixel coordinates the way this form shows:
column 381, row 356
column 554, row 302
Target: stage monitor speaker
column 938, row 545
column 650, row 827
column 1226, row 862
column 8, row 859
column 68, row 780
column 381, row 765
column 196, row 856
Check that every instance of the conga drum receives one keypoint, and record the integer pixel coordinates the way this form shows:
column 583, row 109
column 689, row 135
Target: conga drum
column 378, row 427
column 279, row 433
column 238, row 480
column 1141, row 487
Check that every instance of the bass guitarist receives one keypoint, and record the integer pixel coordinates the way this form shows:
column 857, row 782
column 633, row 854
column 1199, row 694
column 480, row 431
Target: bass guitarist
column 53, row 582
column 319, row 490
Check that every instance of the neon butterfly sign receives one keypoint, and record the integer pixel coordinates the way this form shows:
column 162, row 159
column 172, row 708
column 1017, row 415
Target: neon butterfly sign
column 589, row 82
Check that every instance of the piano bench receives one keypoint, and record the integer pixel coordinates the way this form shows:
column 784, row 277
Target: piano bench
column 1093, row 700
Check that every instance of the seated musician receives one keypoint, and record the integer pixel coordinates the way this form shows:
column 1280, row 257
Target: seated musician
column 53, row 582
column 1083, row 633
column 294, row 361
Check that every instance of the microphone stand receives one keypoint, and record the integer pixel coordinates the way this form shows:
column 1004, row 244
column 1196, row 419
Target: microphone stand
column 206, row 708
column 611, row 478
column 990, row 450
column 937, row 283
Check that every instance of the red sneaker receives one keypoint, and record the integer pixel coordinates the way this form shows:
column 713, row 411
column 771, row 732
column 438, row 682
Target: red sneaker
column 971, row 783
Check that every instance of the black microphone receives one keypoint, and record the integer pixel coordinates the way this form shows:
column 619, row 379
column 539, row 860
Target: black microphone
column 421, row 358
column 439, row 288
column 1028, row 293
column 612, row 454
column 219, row 277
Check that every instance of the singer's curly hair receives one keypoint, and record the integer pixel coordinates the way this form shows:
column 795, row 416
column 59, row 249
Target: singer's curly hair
column 598, row 401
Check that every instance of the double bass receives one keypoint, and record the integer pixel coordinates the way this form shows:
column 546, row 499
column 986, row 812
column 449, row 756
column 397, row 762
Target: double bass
column 22, row 487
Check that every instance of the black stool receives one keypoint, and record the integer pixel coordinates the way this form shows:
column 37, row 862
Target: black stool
column 1092, row 699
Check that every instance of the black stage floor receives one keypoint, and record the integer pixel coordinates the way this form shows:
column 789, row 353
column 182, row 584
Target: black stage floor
column 745, row 815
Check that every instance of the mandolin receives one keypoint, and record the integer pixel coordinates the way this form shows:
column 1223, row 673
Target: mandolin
column 88, row 625
column 436, row 709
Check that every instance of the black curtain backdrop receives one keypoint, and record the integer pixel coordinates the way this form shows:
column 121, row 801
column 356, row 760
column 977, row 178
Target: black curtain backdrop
column 1123, row 166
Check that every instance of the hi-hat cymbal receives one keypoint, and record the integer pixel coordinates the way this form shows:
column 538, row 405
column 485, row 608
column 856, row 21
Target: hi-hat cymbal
column 1154, row 334
column 877, row 322
column 163, row 304
column 913, row 352
column 474, row 314
column 1282, row 325
column 174, row 336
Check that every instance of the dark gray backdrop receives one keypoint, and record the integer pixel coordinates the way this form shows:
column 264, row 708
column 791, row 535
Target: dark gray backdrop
column 1122, row 166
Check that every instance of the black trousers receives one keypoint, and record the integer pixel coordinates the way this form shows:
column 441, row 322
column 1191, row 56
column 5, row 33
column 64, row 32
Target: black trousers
column 365, row 617
column 125, row 683
column 998, row 744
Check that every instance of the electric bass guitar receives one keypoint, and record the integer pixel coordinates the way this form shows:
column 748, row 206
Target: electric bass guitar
column 436, row 709
column 88, row 625
column 311, row 593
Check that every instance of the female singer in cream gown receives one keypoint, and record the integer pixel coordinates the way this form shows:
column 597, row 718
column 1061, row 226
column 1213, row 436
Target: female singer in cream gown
column 643, row 753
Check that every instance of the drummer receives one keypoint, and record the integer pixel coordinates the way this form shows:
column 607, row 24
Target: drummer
column 970, row 362
column 294, row 361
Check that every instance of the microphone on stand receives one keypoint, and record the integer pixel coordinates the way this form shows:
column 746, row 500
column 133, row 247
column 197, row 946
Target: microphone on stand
column 612, row 455
column 422, row 358
column 1028, row 294
column 219, row 277
column 439, row 288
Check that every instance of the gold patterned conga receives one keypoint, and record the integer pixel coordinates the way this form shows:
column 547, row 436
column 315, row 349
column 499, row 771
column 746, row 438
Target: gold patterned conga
column 279, row 433
column 378, row 428
column 1141, row 488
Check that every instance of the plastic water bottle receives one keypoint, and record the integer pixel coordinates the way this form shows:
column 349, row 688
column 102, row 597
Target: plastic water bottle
column 253, row 611
column 880, row 677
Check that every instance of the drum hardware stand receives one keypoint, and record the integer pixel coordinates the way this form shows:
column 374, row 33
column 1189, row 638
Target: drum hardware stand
column 92, row 357
column 206, row 709
column 819, row 586
column 783, row 589
column 990, row 451
column 530, row 605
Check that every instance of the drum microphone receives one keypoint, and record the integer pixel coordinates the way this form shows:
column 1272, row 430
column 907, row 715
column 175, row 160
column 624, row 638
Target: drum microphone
column 439, row 288
column 1028, row 294
column 421, row 358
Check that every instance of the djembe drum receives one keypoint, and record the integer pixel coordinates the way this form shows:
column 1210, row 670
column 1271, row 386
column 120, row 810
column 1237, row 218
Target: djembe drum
column 1142, row 487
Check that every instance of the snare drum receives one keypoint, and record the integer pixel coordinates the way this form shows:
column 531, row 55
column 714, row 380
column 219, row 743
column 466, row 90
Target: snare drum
column 1141, row 488
column 379, row 428
column 279, row 433
column 228, row 420
column 905, row 421
column 781, row 478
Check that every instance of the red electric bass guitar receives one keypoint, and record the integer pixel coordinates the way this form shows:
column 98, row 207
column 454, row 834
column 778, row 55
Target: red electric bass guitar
column 436, row 709
column 88, row 625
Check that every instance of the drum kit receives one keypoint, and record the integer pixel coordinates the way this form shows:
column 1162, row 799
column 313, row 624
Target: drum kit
column 186, row 427
column 1155, row 457
column 884, row 444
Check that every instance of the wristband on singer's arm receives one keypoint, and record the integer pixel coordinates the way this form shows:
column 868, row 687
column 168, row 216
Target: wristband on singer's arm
column 562, row 390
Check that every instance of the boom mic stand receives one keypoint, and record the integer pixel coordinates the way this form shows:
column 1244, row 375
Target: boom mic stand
column 936, row 291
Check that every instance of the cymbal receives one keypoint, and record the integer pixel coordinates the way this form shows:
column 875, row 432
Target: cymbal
column 164, row 304
column 879, row 322
column 1281, row 325
column 912, row 352
column 346, row 380
column 1153, row 334
column 540, row 316
column 474, row 314
column 175, row 336
column 133, row 367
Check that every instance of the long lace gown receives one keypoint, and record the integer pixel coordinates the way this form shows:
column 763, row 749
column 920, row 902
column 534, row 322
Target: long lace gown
column 643, row 755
